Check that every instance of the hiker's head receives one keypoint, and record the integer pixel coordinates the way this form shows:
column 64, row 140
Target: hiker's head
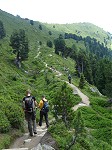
column 43, row 98
column 28, row 92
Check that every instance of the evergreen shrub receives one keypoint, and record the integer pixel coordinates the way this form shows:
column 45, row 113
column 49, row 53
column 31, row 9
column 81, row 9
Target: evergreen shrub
column 4, row 123
column 15, row 115
column 60, row 134
column 5, row 141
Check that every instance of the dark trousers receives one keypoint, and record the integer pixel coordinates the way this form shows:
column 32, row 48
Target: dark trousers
column 45, row 114
column 31, row 119
column 69, row 80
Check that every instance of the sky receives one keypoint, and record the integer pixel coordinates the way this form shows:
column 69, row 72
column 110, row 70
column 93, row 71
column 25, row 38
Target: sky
column 97, row 12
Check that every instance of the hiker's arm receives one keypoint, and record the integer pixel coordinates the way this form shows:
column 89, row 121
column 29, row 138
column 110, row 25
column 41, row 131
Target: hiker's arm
column 23, row 104
column 35, row 102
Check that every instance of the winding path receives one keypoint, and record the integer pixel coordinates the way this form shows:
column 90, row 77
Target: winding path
column 85, row 100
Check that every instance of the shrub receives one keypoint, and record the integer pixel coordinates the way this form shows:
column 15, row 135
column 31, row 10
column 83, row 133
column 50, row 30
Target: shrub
column 103, row 134
column 50, row 33
column 15, row 115
column 49, row 44
column 5, row 141
column 4, row 123
column 61, row 134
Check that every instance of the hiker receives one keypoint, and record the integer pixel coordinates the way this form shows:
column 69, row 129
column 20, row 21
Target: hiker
column 29, row 106
column 43, row 105
column 69, row 78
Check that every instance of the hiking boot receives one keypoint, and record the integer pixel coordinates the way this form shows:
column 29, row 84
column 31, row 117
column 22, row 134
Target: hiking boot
column 31, row 134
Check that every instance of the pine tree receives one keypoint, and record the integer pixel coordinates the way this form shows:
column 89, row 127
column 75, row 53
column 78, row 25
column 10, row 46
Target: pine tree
column 59, row 45
column 79, row 129
column 82, row 81
column 31, row 22
column 19, row 43
column 2, row 30
column 62, row 104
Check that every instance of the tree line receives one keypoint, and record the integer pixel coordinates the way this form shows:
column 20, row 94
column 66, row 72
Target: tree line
column 95, row 61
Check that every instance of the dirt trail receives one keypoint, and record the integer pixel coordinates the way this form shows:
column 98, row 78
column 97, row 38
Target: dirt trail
column 29, row 142
column 85, row 100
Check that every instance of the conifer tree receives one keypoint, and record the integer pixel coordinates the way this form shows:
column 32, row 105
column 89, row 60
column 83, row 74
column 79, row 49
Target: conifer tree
column 31, row 22
column 19, row 43
column 82, row 81
column 59, row 45
column 40, row 26
column 79, row 128
column 63, row 104
column 2, row 30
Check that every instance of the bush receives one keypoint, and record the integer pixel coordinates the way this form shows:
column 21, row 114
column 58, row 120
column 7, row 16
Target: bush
column 49, row 44
column 103, row 134
column 60, row 134
column 4, row 123
column 5, row 141
column 15, row 115
column 98, row 101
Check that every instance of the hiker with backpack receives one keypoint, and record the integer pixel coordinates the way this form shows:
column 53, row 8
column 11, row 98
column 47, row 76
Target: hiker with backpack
column 44, row 109
column 69, row 78
column 29, row 106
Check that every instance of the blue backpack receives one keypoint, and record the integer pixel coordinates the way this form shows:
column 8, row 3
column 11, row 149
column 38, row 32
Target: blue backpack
column 45, row 107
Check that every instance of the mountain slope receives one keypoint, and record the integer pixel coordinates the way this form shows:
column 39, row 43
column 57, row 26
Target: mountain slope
column 36, row 75
column 84, row 30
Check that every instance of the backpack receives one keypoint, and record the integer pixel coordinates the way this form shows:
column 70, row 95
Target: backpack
column 29, row 104
column 69, row 77
column 45, row 107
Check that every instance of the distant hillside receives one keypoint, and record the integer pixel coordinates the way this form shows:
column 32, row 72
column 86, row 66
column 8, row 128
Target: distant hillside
column 84, row 30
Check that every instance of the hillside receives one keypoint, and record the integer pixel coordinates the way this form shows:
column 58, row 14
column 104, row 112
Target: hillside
column 36, row 74
column 84, row 30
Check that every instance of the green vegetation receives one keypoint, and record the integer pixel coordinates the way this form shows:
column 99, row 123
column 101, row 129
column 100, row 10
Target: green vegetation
column 89, row 128
column 2, row 30
column 19, row 43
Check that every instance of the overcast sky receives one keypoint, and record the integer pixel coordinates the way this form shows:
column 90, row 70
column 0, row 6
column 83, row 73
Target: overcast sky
column 98, row 12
